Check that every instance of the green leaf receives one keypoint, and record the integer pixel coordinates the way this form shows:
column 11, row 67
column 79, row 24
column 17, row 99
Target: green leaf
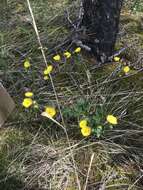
column 94, row 130
column 97, row 119
column 99, row 131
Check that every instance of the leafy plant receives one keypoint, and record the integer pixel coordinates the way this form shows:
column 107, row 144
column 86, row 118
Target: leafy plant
column 89, row 116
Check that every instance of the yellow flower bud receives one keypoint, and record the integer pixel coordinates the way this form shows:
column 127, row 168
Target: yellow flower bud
column 126, row 69
column 112, row 119
column 116, row 59
column 57, row 57
column 29, row 94
column 67, row 54
column 27, row 102
column 27, row 64
column 83, row 123
column 77, row 50
column 48, row 70
column 86, row 131
column 50, row 111
column 46, row 77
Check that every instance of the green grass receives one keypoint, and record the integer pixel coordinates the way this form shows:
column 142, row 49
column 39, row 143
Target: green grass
column 34, row 151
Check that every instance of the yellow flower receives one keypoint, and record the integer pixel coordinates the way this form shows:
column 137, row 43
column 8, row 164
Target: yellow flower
column 57, row 57
column 50, row 111
column 77, row 50
column 116, row 59
column 27, row 102
column 83, row 123
column 112, row 119
column 46, row 77
column 86, row 131
column 27, row 64
column 126, row 69
column 67, row 54
column 28, row 94
column 48, row 70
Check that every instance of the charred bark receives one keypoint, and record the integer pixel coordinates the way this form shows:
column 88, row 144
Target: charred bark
column 101, row 20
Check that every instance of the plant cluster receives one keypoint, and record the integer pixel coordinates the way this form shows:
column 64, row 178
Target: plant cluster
column 92, row 119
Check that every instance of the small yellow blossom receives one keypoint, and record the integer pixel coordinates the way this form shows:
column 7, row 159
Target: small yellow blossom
column 83, row 123
column 86, row 131
column 77, row 50
column 116, row 59
column 126, row 69
column 48, row 70
column 57, row 57
column 46, row 77
column 27, row 64
column 29, row 94
column 112, row 119
column 67, row 54
column 27, row 102
column 51, row 111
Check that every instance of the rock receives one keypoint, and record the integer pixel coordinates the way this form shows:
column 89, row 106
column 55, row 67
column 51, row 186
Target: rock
column 6, row 104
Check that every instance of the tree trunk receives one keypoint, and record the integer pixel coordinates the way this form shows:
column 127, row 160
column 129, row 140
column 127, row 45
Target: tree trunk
column 101, row 20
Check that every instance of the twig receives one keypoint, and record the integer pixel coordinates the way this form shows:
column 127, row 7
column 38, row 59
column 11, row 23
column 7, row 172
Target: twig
column 131, row 187
column 55, row 93
column 88, row 172
column 44, row 57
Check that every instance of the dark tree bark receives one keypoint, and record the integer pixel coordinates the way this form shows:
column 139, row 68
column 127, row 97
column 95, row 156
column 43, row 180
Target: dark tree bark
column 101, row 20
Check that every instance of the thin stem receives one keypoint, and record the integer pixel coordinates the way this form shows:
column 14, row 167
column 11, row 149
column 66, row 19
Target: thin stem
column 55, row 93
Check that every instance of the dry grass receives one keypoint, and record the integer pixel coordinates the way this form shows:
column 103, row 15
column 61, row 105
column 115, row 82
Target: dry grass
column 38, row 153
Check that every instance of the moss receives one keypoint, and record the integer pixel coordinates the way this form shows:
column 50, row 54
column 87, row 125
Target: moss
column 11, row 140
column 132, row 37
